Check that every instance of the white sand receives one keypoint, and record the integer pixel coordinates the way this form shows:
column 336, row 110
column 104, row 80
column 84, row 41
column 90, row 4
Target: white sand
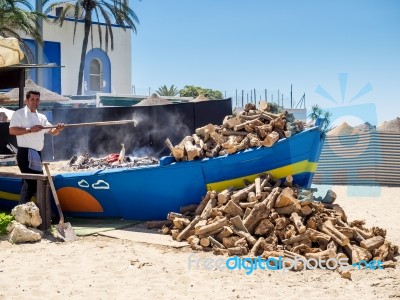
column 98, row 267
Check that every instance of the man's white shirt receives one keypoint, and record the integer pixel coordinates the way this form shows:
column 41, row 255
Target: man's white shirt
column 27, row 119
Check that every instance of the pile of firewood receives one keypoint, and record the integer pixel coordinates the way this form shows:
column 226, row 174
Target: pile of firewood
column 250, row 128
column 268, row 218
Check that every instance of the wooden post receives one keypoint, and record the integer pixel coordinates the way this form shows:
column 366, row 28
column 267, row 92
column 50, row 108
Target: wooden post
column 43, row 203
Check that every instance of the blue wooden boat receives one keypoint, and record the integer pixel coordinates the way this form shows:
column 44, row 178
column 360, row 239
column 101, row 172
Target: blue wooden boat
column 150, row 192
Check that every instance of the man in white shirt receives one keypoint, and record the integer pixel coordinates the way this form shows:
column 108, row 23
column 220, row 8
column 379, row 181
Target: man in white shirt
column 28, row 126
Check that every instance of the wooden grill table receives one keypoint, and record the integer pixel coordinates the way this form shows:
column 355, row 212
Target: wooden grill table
column 42, row 196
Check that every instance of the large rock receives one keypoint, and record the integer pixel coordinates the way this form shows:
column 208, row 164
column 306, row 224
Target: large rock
column 27, row 214
column 22, row 234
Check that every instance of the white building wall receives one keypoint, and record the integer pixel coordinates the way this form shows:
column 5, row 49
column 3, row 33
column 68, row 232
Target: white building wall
column 71, row 48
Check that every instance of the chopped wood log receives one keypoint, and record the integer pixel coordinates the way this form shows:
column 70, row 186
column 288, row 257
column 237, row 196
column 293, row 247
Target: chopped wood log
column 228, row 132
column 199, row 224
column 213, row 226
column 230, row 123
column 280, row 132
column 193, row 240
column 335, row 234
column 288, row 210
column 204, row 201
column 205, row 131
column 249, row 238
column 298, row 223
column 372, row 243
column 270, row 253
column 205, row 242
column 257, row 183
column 278, row 123
column 363, row 233
column 165, row 230
column 382, row 252
column 158, row 224
column 258, row 213
column 192, row 151
column 181, row 223
column 347, row 231
column 251, row 123
column 225, row 232
column 219, row 251
column 254, row 251
column 245, row 205
column 215, row 243
column 238, row 224
column 263, row 130
column 264, row 227
column 174, row 233
column 172, row 215
column 295, row 239
column 205, row 214
column 210, row 233
column 239, row 251
column 177, row 152
column 217, row 137
column 271, row 199
column 243, row 193
column 241, row 243
column 232, row 209
column 285, row 198
column 198, row 141
column 185, row 232
column 246, row 212
column 305, row 210
column 289, row 181
column 270, row 139
column 229, row 242
column 329, row 253
column 225, row 195
column 316, row 236
column 332, row 245
column 188, row 208
column 281, row 223
column 357, row 254
column 251, row 197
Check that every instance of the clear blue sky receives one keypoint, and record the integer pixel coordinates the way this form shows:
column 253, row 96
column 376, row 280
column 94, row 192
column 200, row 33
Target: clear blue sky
column 327, row 49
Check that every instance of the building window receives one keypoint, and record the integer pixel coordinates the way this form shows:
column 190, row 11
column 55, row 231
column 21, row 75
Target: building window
column 95, row 75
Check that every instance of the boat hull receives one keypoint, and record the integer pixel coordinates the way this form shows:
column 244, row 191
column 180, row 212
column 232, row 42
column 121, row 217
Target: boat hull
column 150, row 192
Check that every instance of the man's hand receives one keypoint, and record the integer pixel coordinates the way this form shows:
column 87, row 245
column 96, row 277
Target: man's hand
column 36, row 128
column 60, row 126
column 58, row 129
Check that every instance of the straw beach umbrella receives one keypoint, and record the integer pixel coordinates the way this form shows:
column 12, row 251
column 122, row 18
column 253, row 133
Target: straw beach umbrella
column 154, row 99
column 45, row 94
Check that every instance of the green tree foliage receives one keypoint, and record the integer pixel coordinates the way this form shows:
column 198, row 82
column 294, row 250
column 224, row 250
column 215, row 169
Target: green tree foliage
column 16, row 17
column 194, row 91
column 109, row 12
column 165, row 91
column 318, row 112
column 5, row 219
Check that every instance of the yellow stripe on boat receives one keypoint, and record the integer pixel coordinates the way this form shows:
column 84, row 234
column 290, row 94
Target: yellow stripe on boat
column 9, row 196
column 292, row 169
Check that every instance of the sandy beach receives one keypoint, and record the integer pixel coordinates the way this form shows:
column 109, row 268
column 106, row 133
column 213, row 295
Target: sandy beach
column 99, row 267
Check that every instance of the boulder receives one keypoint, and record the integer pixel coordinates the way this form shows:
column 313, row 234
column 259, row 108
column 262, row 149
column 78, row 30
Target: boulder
column 27, row 214
column 22, row 234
